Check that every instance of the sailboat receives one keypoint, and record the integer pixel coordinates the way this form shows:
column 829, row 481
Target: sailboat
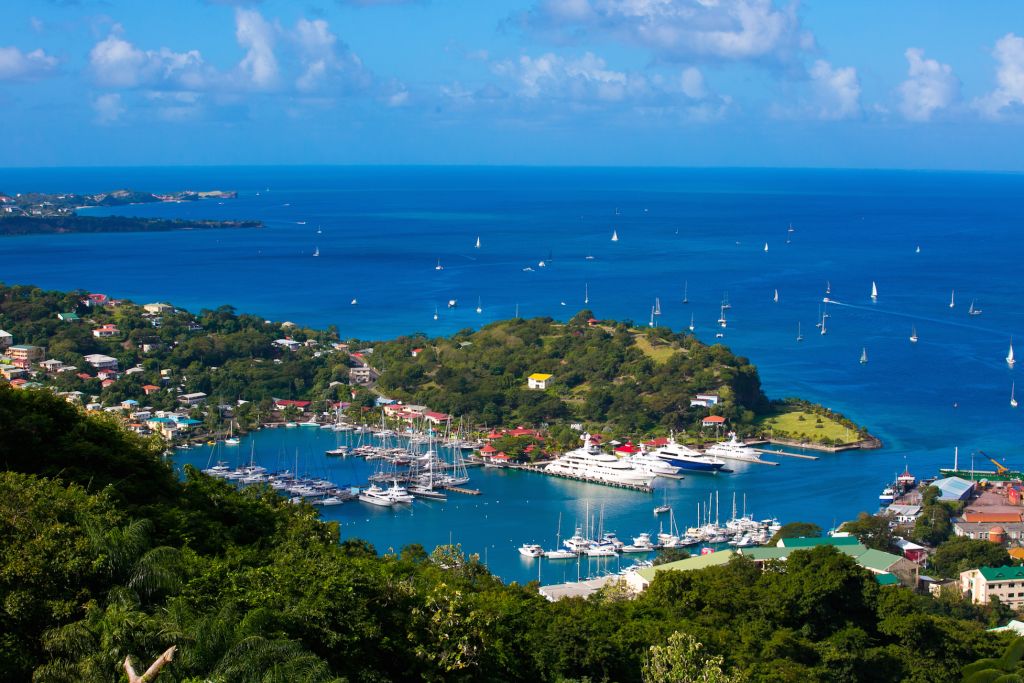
column 559, row 553
column 874, row 291
column 952, row 299
column 478, row 241
column 766, row 247
column 615, row 236
column 721, row 318
column 586, row 293
column 232, row 440
column 478, row 308
column 776, row 297
column 864, row 356
column 828, row 287
column 913, row 334
column 435, row 312
column 725, row 302
column 319, row 230
column 438, row 266
column 354, row 302
column 652, row 317
column 686, row 286
column 789, row 233
column 691, row 322
column 657, row 306
column 316, row 252
column 799, row 336
column 972, row 310
column 918, row 250
column 823, row 324
column 1010, row 360
column 1013, row 398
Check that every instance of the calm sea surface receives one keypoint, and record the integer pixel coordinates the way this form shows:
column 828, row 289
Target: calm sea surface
column 383, row 231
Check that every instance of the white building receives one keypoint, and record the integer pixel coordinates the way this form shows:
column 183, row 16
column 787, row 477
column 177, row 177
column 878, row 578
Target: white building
column 984, row 583
column 101, row 362
column 538, row 380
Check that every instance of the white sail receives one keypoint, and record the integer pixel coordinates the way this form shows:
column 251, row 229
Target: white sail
column 952, row 299
column 1010, row 360
column 657, row 306
column 776, row 297
column 864, row 356
column 799, row 335
column 478, row 242
column 615, row 236
column 691, row 322
column 1013, row 397
column 766, row 246
column 316, row 252
column 874, row 290
column 478, row 307
column 586, row 293
column 913, row 334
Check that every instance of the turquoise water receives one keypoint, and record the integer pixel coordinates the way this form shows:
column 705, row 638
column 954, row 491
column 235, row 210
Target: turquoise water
column 384, row 230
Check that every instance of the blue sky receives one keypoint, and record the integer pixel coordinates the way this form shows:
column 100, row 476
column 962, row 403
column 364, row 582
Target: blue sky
column 907, row 84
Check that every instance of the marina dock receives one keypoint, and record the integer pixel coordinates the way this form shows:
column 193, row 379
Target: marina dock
column 785, row 453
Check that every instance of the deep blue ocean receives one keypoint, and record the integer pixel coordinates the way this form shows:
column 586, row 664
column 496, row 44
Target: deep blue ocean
column 383, row 231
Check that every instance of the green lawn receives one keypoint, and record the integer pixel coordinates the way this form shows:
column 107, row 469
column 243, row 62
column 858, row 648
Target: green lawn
column 791, row 424
column 659, row 353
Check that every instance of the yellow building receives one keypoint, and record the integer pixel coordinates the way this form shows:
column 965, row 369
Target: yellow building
column 538, row 380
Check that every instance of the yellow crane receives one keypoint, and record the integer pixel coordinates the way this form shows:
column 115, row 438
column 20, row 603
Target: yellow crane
column 1000, row 467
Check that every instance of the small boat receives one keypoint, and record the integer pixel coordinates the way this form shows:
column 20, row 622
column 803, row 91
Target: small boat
column 864, row 356
column 766, row 247
column 319, row 230
column 721, row 318
column 340, row 450
column 972, row 310
column 1013, row 397
column 541, row 264
column 874, row 291
column 725, row 302
column 316, row 252
column 662, row 509
column 296, row 222
column 232, row 441
column 657, row 306
column 452, row 303
column 799, row 336
column 913, row 335
column 310, row 423
column 1010, row 360
column 823, row 330
column 776, row 297
column 887, row 496
column 586, row 293
column 918, row 250
column 559, row 554
column 289, row 425
column 354, row 302
column 691, row 323
column 651, row 323
column 531, row 550
column 435, row 312
column 615, row 236
column 438, row 266
column 478, row 307
column 686, row 285
column 952, row 299
column 478, row 241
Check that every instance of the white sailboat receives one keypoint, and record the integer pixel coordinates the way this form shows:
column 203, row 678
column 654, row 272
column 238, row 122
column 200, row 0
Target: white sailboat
column 316, row 251
column 438, row 266
column 864, row 356
column 691, row 323
column 721, row 318
column 354, row 302
column 766, row 247
column 435, row 312
column 586, row 293
column 823, row 330
column 913, row 334
column 478, row 307
column 478, row 241
column 1010, row 360
column 725, row 301
column 874, row 291
column 918, row 250
column 686, row 286
column 657, row 306
column 1013, row 397
column 615, row 236
column 651, row 323
column 319, row 230
column 972, row 310
column 828, row 287
column 776, row 297
column 952, row 299
column 799, row 335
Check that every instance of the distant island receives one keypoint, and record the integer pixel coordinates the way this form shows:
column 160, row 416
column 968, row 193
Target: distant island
column 35, row 213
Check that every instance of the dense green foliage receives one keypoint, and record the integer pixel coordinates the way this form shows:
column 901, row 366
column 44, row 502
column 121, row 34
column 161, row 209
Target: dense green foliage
column 874, row 531
column 602, row 375
column 795, row 530
column 249, row 588
column 934, row 525
column 961, row 553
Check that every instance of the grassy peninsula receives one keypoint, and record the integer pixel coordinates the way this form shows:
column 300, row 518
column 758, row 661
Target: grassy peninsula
column 607, row 376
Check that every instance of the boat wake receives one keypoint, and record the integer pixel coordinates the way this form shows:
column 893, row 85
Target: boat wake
column 912, row 316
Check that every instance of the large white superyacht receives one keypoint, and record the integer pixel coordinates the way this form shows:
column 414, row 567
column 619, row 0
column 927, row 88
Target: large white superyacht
column 592, row 464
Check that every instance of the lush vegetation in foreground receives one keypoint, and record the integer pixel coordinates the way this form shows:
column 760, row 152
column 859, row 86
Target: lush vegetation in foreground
column 104, row 554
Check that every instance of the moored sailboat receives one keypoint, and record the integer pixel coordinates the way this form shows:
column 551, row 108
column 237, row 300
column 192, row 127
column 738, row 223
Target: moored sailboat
column 864, row 356
column 1013, row 397
column 913, row 334
column 1010, row 360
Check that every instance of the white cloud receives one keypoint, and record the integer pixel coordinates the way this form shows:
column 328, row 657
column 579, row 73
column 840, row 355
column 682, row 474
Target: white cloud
column 116, row 63
column 108, row 108
column 731, row 30
column 692, row 83
column 584, row 78
column 15, row 64
column 256, row 35
column 1009, row 92
column 930, row 86
column 837, row 91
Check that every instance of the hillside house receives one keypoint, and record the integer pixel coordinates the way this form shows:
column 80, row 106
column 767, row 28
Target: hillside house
column 538, row 380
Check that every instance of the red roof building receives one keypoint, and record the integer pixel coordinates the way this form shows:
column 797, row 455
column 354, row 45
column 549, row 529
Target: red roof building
column 150, row 388
column 713, row 421
column 488, row 449
column 657, row 443
column 626, row 449
column 83, row 375
column 286, row 402
column 106, row 383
